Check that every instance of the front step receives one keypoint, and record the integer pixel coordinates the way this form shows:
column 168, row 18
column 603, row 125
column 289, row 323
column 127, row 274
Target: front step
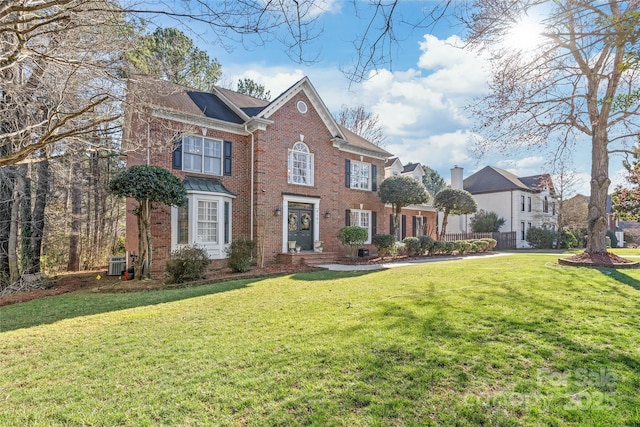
column 306, row 257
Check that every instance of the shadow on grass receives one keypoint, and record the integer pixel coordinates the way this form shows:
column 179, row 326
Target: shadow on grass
column 331, row 275
column 621, row 277
column 55, row 308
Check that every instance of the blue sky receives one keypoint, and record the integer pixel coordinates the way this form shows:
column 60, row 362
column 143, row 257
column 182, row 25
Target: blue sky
column 420, row 99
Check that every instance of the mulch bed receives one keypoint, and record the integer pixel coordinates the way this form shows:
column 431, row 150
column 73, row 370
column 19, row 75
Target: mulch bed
column 98, row 281
column 606, row 259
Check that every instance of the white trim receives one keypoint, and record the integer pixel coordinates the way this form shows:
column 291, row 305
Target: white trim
column 310, row 170
column 214, row 250
column 360, row 211
column 351, row 175
column 304, row 85
column 202, row 139
column 285, row 215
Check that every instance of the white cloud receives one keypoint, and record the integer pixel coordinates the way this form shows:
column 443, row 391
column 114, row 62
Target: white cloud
column 523, row 167
column 440, row 152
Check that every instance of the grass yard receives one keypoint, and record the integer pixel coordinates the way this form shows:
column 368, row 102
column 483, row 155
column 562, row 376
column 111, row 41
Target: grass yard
column 514, row 340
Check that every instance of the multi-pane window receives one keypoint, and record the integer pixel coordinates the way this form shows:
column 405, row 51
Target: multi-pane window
column 300, row 165
column 360, row 175
column 545, row 205
column 202, row 155
column 529, row 204
column 522, row 203
column 207, row 226
column 362, row 219
column 523, row 235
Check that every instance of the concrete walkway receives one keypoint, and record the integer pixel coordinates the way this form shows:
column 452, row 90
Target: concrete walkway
column 411, row 261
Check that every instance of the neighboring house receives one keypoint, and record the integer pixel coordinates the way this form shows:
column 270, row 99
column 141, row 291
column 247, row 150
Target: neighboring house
column 274, row 172
column 523, row 202
column 417, row 220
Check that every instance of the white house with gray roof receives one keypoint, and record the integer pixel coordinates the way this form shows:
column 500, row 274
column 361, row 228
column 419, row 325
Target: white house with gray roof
column 523, row 202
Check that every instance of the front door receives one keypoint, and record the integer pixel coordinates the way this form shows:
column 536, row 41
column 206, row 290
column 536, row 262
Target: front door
column 300, row 224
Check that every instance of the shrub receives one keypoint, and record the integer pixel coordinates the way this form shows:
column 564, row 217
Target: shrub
column 187, row 263
column 240, row 255
column 568, row 240
column 486, row 222
column 411, row 245
column 481, row 245
column 541, row 238
column 436, row 247
column 492, row 243
column 463, row 246
column 426, row 244
column 384, row 243
column 352, row 236
column 448, row 247
column 614, row 239
column 397, row 248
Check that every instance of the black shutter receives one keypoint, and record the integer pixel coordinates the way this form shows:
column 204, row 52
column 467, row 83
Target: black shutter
column 347, row 218
column 404, row 226
column 374, row 224
column 414, row 224
column 227, row 230
column 227, row 158
column 347, row 173
column 177, row 154
column 374, row 178
column 390, row 223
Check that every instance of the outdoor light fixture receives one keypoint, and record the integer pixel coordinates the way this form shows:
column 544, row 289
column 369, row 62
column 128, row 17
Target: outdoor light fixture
column 327, row 214
column 277, row 212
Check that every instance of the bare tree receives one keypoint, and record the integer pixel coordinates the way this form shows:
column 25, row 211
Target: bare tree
column 565, row 86
column 363, row 123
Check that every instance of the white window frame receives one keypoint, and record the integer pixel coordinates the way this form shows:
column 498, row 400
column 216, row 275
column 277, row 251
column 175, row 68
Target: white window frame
column 215, row 152
column 296, row 175
column 357, row 178
column 216, row 248
column 356, row 219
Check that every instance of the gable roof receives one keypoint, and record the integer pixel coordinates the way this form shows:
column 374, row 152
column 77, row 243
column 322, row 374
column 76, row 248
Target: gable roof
column 410, row 167
column 492, row 180
column 233, row 111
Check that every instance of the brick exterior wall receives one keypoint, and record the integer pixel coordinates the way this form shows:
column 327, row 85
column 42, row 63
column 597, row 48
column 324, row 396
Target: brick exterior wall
column 270, row 164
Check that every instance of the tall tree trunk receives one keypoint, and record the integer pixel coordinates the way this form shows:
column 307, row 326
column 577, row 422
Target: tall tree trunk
column 443, row 230
column 26, row 215
column 144, row 241
column 597, row 216
column 76, row 221
column 6, row 203
column 18, row 193
column 42, row 187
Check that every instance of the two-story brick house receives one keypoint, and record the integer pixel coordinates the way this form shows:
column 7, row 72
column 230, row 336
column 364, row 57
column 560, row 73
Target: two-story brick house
column 275, row 172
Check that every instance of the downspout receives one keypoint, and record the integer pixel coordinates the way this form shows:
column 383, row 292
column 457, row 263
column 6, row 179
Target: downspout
column 252, row 181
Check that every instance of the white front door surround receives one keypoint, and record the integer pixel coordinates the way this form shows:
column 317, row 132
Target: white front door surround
column 286, row 199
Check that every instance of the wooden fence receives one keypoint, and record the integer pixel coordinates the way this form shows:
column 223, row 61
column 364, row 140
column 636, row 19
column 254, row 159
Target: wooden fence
column 506, row 240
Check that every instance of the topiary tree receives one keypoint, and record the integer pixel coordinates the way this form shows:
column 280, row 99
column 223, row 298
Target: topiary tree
column 147, row 185
column 401, row 191
column 486, row 222
column 453, row 202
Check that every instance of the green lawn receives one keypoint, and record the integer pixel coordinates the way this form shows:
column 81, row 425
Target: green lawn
column 503, row 341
